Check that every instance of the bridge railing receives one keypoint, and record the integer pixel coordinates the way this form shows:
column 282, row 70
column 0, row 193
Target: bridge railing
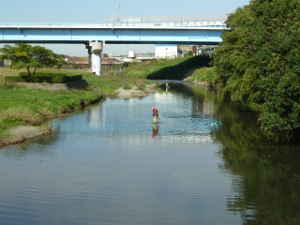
column 166, row 22
column 138, row 22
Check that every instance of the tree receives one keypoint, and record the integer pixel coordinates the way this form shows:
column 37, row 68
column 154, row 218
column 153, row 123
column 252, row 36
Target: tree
column 258, row 64
column 30, row 57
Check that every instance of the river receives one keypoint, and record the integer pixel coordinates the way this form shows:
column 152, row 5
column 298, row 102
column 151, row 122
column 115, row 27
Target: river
column 204, row 163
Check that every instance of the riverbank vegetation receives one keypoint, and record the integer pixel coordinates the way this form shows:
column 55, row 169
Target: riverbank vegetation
column 33, row 106
column 258, row 65
column 205, row 75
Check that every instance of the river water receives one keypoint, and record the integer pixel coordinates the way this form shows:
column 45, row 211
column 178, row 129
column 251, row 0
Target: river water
column 204, row 163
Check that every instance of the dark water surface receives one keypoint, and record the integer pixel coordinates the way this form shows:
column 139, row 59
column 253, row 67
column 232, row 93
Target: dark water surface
column 203, row 164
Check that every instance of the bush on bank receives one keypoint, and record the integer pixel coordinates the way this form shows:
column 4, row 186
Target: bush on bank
column 203, row 74
column 258, row 64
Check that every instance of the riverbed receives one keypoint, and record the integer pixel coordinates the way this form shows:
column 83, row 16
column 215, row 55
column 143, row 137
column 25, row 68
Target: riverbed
column 202, row 164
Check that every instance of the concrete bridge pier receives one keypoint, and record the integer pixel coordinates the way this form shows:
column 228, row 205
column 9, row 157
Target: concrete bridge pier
column 96, row 52
column 89, row 49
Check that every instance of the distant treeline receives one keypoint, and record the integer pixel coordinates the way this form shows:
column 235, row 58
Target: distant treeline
column 258, row 64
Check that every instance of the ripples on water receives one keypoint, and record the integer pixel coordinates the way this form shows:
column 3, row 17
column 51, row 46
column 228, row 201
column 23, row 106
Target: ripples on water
column 111, row 165
column 133, row 118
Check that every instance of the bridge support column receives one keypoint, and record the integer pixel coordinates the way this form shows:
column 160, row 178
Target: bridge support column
column 96, row 49
column 89, row 48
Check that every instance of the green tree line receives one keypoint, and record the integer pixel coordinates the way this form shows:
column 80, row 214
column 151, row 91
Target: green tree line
column 258, row 64
column 31, row 58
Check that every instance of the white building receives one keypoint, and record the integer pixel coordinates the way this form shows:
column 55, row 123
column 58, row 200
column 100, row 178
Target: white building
column 164, row 51
column 131, row 54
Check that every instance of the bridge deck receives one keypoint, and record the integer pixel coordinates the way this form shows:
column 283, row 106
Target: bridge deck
column 110, row 33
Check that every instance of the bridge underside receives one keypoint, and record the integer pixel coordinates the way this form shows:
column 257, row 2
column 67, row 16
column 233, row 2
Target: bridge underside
column 108, row 42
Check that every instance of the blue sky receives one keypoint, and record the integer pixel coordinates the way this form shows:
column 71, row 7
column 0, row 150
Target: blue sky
column 98, row 11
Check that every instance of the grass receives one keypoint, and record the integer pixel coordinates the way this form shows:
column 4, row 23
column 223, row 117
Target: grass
column 25, row 106
column 33, row 107
column 204, row 74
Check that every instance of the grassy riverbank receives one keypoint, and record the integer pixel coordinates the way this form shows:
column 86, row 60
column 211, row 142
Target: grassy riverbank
column 33, row 107
column 204, row 75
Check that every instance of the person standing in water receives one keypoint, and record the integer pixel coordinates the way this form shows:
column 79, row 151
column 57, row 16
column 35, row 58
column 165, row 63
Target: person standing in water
column 155, row 115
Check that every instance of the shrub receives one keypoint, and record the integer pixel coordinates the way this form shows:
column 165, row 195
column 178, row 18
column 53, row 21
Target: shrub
column 127, row 86
column 43, row 77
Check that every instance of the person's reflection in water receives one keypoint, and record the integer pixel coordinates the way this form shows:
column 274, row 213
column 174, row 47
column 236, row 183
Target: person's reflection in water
column 155, row 130
column 167, row 87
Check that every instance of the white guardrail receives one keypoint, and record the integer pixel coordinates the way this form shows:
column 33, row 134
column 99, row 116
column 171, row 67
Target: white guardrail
column 150, row 22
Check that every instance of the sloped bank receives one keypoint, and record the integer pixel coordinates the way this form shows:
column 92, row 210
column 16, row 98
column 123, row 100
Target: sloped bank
column 21, row 123
column 204, row 77
column 20, row 134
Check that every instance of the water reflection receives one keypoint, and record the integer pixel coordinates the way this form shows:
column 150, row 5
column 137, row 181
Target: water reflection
column 204, row 163
column 190, row 121
column 22, row 150
column 265, row 178
column 111, row 165
column 96, row 116
column 155, row 130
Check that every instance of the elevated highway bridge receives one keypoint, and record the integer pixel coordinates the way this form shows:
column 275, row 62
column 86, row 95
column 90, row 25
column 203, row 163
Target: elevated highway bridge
column 95, row 36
